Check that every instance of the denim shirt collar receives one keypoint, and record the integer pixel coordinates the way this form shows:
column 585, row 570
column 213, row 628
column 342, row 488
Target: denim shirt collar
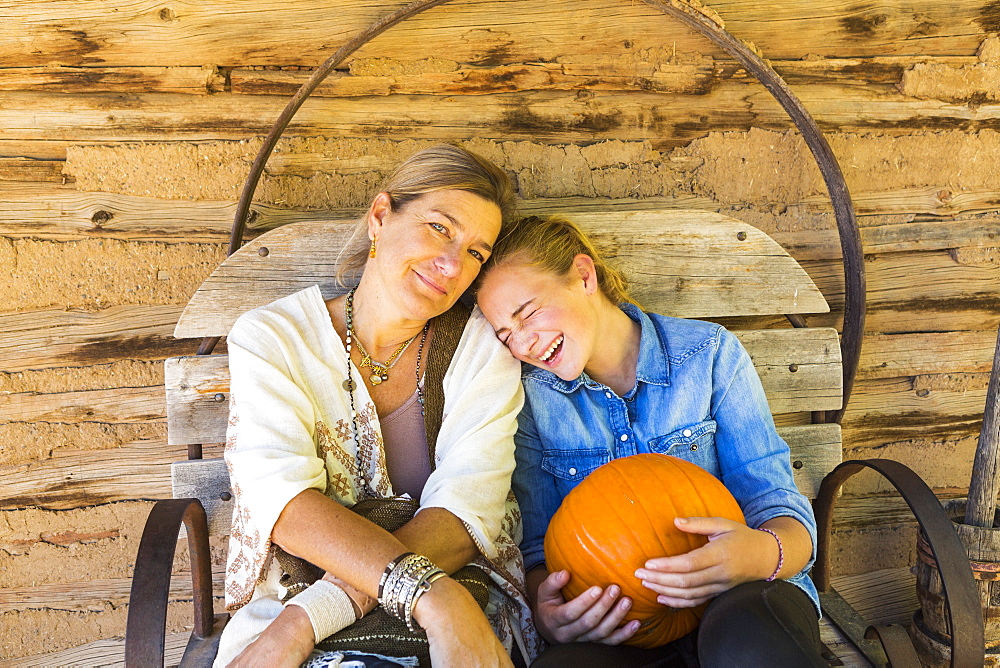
column 653, row 365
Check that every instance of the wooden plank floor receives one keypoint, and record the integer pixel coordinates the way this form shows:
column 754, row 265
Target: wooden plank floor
column 107, row 652
column 881, row 597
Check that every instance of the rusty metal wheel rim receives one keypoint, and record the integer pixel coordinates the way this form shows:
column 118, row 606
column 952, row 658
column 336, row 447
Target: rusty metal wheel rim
column 847, row 226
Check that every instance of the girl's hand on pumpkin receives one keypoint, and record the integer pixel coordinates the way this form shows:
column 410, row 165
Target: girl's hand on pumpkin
column 734, row 554
column 593, row 616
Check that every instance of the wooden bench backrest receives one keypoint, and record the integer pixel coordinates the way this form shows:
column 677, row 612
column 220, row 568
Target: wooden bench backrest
column 683, row 263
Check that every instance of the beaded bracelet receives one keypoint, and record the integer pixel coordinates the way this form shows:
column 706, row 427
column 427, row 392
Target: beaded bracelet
column 781, row 555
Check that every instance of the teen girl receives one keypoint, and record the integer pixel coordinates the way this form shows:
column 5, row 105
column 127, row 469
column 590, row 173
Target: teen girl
column 602, row 380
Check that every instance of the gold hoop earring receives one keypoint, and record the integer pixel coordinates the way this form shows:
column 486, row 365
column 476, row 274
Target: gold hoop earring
column 371, row 253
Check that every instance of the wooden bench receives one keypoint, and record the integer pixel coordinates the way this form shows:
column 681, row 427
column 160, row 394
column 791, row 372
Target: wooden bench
column 683, row 263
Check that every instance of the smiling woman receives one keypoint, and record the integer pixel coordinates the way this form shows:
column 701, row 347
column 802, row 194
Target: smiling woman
column 346, row 404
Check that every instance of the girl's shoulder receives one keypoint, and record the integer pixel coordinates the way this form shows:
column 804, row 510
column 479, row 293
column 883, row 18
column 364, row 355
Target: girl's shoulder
column 683, row 337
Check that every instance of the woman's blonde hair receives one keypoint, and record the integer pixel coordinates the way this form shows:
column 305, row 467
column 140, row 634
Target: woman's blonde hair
column 439, row 167
column 550, row 243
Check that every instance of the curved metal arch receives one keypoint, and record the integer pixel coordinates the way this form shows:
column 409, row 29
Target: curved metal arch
column 847, row 226
column 965, row 611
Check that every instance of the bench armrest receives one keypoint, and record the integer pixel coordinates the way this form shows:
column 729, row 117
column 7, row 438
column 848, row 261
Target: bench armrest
column 147, row 611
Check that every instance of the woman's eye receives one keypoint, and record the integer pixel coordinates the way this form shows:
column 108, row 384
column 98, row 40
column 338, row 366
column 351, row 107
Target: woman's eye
column 476, row 254
column 438, row 227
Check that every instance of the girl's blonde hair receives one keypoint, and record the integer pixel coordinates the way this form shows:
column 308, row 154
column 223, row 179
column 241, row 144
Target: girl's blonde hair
column 550, row 243
column 440, row 167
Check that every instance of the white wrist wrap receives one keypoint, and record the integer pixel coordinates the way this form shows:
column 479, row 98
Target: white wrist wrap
column 328, row 606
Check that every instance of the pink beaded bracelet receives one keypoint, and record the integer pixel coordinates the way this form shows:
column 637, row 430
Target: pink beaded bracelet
column 781, row 555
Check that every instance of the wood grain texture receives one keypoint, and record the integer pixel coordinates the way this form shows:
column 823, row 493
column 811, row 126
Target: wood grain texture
column 60, row 212
column 683, row 263
column 78, row 478
column 75, row 80
column 218, row 32
column 56, row 337
column 94, row 595
column 548, row 116
column 208, row 481
column 47, row 211
column 120, row 404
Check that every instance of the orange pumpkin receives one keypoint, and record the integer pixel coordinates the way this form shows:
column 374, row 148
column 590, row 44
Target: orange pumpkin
column 622, row 515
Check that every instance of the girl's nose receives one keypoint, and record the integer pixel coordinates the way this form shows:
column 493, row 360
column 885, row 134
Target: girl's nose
column 521, row 342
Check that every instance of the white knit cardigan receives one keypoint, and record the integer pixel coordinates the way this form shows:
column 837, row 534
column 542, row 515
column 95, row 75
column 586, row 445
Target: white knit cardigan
column 290, row 430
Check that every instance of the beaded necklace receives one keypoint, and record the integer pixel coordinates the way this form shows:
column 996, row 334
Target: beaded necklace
column 349, row 384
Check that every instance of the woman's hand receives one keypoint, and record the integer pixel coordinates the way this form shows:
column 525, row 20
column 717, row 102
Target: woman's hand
column 457, row 630
column 735, row 554
column 285, row 643
column 593, row 616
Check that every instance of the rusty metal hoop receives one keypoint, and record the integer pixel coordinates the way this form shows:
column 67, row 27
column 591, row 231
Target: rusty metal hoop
column 147, row 613
column 847, row 226
column 964, row 607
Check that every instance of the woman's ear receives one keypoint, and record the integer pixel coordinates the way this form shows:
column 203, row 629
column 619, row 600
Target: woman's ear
column 380, row 208
column 583, row 265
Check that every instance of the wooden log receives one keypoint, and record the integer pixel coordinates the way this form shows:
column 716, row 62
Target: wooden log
column 981, row 509
column 686, row 263
column 657, row 70
column 596, row 73
column 63, row 213
column 49, row 211
column 120, row 404
column 78, row 478
column 528, row 115
column 35, row 149
column 921, row 291
column 56, row 337
column 26, row 169
column 895, row 355
column 76, row 80
column 93, row 595
column 892, row 411
column 217, row 32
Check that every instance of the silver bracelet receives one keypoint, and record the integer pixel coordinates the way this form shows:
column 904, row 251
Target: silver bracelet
column 405, row 580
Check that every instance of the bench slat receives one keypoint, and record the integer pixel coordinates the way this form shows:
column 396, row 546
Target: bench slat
column 198, row 386
column 691, row 264
column 814, row 448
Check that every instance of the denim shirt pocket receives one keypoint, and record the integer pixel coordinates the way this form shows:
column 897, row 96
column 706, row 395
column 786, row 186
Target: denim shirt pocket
column 694, row 443
column 574, row 465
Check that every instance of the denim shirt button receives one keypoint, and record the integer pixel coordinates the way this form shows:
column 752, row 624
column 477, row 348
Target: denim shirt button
column 624, row 437
column 572, row 471
column 694, row 447
column 607, row 394
column 686, row 432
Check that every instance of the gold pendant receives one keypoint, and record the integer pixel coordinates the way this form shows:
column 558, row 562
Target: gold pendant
column 375, row 379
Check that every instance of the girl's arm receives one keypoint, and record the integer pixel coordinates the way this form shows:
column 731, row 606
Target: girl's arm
column 755, row 467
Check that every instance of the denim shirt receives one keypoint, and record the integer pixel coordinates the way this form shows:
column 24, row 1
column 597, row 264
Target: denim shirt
column 697, row 397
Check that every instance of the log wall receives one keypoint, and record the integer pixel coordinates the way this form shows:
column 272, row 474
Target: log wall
column 126, row 130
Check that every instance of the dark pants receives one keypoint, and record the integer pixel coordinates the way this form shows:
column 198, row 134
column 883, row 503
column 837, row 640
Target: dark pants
column 759, row 623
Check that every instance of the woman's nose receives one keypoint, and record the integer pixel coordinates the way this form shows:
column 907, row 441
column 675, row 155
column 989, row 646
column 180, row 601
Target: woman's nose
column 448, row 263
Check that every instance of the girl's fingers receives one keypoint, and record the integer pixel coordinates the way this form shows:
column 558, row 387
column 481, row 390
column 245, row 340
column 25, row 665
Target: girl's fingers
column 607, row 625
